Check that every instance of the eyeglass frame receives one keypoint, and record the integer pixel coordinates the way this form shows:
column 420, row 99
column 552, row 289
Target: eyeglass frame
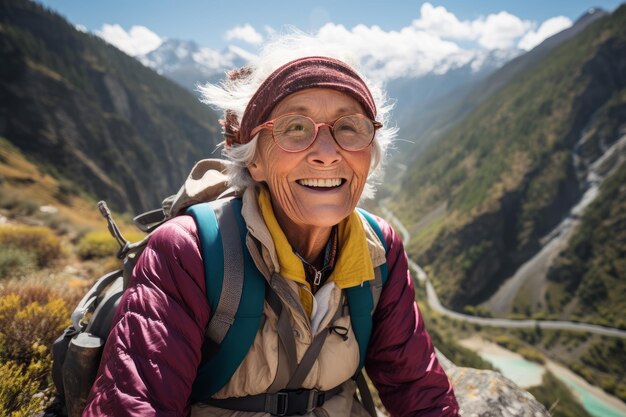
column 270, row 125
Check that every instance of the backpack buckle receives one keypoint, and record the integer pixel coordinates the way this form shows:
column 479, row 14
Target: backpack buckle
column 282, row 402
column 301, row 401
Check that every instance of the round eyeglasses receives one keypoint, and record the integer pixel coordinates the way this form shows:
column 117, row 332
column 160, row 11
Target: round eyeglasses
column 295, row 132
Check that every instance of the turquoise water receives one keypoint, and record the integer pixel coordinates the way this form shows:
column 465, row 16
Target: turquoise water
column 591, row 403
column 525, row 373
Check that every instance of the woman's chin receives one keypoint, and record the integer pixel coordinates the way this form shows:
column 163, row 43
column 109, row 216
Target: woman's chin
column 324, row 215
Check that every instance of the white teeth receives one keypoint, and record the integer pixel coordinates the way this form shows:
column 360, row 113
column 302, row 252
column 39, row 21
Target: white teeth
column 335, row 182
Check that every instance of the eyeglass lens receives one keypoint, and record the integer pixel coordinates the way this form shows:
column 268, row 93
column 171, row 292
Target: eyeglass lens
column 295, row 132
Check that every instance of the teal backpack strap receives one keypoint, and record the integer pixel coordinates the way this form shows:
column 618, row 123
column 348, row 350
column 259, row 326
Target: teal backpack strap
column 236, row 308
column 362, row 300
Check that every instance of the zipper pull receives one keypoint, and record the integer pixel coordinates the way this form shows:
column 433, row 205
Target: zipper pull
column 318, row 278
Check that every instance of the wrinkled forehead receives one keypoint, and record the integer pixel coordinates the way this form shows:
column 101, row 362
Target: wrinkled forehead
column 317, row 101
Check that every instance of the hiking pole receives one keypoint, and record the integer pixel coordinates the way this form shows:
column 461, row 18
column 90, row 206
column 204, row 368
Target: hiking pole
column 113, row 229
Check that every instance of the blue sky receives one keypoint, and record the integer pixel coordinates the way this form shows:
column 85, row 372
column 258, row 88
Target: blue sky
column 206, row 21
column 390, row 39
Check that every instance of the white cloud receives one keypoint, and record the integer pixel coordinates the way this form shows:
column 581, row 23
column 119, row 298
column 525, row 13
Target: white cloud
column 408, row 52
column 548, row 28
column 440, row 22
column 245, row 33
column 137, row 41
column 496, row 31
column 499, row 31
column 80, row 28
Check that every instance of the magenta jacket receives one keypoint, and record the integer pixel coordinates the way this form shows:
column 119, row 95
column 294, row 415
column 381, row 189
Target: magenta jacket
column 153, row 351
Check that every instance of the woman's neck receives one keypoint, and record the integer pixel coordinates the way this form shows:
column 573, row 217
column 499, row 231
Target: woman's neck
column 309, row 241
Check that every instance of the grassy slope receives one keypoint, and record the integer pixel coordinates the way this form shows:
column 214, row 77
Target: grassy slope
column 24, row 188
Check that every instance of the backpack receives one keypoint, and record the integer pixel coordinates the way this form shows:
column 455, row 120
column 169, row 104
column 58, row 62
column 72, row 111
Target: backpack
column 233, row 284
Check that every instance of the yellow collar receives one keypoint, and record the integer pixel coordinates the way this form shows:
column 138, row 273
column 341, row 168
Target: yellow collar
column 353, row 265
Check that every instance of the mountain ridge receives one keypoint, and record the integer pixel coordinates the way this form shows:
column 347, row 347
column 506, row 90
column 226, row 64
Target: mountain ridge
column 445, row 112
column 505, row 176
column 89, row 113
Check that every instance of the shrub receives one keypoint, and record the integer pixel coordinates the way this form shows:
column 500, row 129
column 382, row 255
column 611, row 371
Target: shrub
column 40, row 241
column 31, row 317
column 507, row 342
column 532, row 355
column 28, row 328
column 97, row 245
column 100, row 244
column 15, row 261
column 57, row 222
column 17, row 204
column 18, row 386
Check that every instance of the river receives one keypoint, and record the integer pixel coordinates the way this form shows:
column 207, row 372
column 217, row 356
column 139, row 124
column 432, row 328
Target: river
column 527, row 374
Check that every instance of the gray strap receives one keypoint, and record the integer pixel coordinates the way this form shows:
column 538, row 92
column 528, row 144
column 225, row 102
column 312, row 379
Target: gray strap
column 282, row 371
column 149, row 220
column 287, row 338
column 287, row 353
column 366, row 395
column 88, row 302
column 301, row 402
column 312, row 353
column 232, row 284
column 377, row 287
column 309, row 358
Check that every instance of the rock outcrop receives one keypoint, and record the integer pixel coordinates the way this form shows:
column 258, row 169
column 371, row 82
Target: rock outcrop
column 483, row 393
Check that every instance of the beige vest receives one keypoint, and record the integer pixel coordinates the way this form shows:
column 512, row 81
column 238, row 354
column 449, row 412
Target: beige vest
column 338, row 359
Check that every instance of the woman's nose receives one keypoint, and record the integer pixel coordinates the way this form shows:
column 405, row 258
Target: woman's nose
column 325, row 150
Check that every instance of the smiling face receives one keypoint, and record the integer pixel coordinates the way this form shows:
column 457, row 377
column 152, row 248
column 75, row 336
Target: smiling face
column 320, row 186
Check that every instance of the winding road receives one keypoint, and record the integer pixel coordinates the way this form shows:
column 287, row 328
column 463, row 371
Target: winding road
column 435, row 304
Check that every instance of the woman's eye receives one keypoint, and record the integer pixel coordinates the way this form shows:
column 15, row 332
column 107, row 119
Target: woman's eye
column 347, row 127
column 295, row 127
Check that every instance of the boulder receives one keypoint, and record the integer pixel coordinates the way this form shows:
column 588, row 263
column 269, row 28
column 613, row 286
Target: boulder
column 484, row 393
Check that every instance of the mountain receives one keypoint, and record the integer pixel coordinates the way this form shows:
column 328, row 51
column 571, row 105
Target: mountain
column 432, row 119
column 87, row 113
column 189, row 64
column 414, row 96
column 481, row 198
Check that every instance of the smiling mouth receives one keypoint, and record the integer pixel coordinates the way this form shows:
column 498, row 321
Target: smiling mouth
column 321, row 183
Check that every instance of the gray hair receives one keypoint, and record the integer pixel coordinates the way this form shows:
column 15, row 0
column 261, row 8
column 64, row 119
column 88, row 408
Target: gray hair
column 234, row 94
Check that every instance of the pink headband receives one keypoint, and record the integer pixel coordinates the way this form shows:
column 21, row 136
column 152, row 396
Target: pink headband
column 309, row 72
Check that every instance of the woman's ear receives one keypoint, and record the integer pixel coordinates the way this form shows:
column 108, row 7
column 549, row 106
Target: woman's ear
column 257, row 171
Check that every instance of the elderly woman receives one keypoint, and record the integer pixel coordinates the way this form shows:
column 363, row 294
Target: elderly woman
column 304, row 132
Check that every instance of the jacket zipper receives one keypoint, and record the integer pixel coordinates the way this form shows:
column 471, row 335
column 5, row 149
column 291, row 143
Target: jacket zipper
column 318, row 278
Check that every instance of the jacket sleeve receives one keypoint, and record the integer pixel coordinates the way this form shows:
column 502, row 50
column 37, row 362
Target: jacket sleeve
column 152, row 353
column 401, row 359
